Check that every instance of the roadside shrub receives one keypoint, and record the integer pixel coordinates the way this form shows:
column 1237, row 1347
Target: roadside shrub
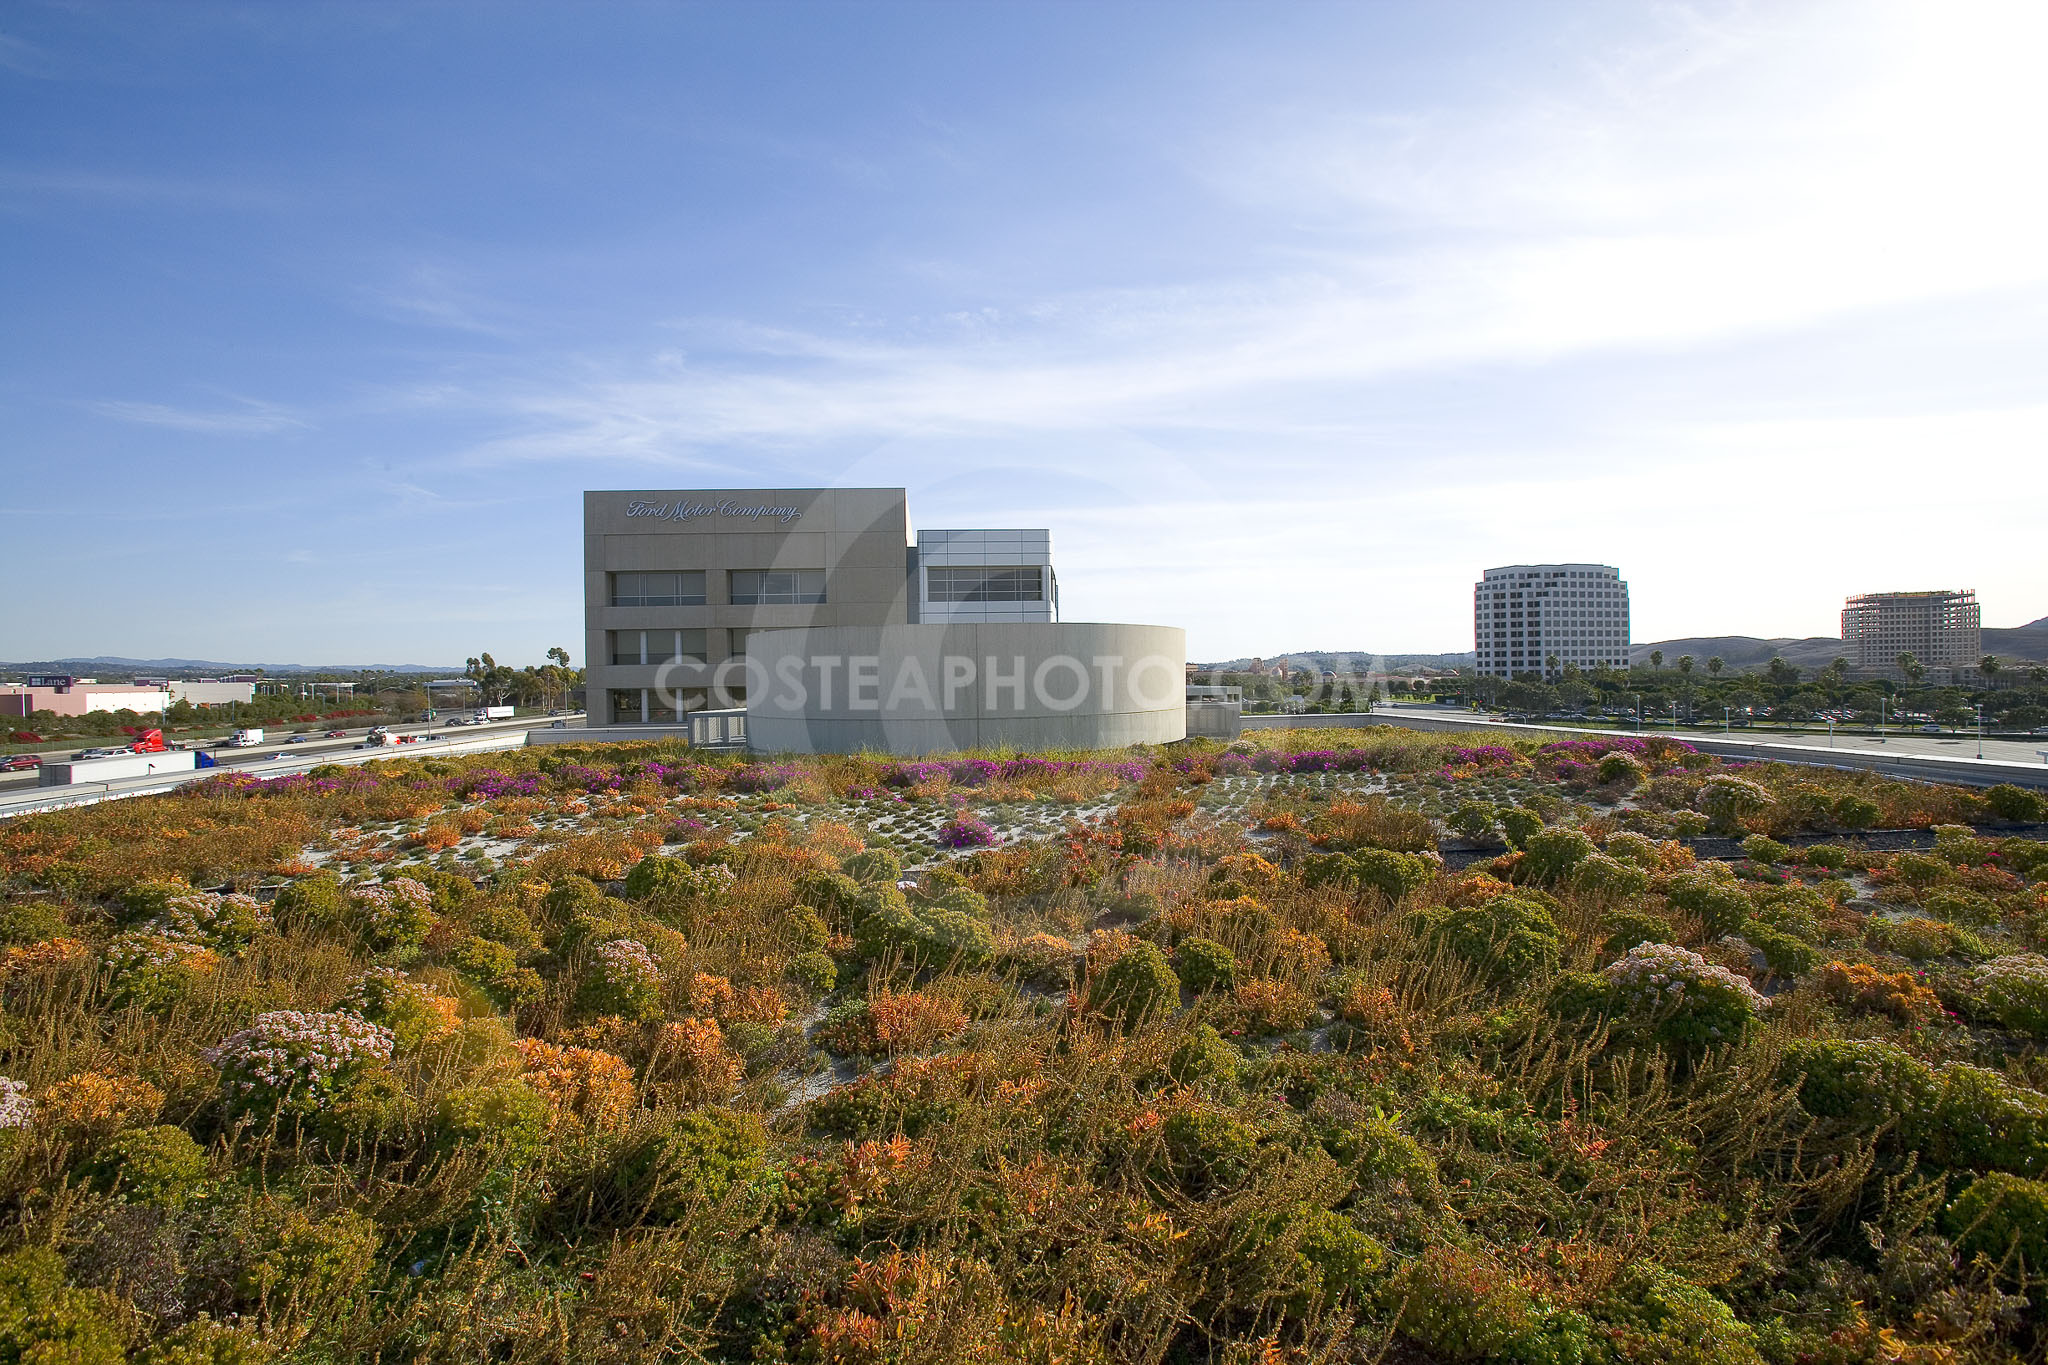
column 2004, row 1219
column 1206, row 965
column 1265, row 1004
column 1393, row 875
column 2015, row 989
column 1631, row 847
column 1721, row 908
column 930, row 935
column 890, row 1022
column 1652, row 1314
column 495, row 968
column 152, row 970
column 1626, row 927
column 1985, row 1122
column 1680, row 1000
column 1856, row 812
column 161, row 1165
column 1960, row 907
column 1046, row 961
column 1918, row 870
column 391, row 917
column 2017, row 804
column 1728, row 801
column 659, row 875
column 1510, row 937
column 1342, row 1260
column 1139, row 984
column 806, row 929
column 1921, row 939
column 581, row 1085
column 1517, row 823
column 31, row 921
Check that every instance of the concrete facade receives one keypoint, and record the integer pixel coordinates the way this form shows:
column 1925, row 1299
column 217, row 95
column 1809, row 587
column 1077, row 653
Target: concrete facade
column 927, row 688
column 725, row 562
column 80, row 698
column 1940, row 629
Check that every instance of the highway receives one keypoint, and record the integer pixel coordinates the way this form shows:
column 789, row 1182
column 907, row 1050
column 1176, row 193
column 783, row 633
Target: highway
column 281, row 760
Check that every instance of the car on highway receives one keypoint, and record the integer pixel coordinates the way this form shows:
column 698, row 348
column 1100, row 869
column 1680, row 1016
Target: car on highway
column 1930, row 729
column 337, row 734
column 456, row 720
column 94, row 753
column 298, row 739
column 558, row 725
column 15, row 763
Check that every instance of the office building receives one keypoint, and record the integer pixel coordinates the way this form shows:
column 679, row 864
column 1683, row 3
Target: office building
column 1940, row 629
column 1524, row 615
column 814, row 611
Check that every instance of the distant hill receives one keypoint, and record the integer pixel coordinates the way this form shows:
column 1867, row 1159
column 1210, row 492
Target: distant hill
column 1347, row 661
column 115, row 663
column 2020, row 644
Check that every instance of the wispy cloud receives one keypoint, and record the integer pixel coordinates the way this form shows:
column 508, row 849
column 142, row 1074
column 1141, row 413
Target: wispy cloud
column 250, row 418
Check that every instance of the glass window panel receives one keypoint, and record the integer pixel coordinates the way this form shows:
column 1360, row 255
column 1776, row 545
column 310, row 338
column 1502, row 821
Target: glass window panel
column 679, row 589
column 778, row 587
column 982, row 584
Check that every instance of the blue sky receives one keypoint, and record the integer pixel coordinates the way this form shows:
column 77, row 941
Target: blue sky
column 1287, row 319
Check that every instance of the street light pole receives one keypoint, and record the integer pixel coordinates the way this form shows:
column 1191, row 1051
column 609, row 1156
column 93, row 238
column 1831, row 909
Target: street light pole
column 1980, row 729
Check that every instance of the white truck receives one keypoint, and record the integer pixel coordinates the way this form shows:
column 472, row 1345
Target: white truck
column 243, row 739
column 118, row 768
column 491, row 713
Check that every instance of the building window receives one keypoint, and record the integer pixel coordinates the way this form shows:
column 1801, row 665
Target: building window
column 958, row 584
column 778, row 587
column 656, row 646
column 684, row 589
column 626, row 705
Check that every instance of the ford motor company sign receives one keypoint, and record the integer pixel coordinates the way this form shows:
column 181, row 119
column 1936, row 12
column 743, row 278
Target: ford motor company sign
column 690, row 511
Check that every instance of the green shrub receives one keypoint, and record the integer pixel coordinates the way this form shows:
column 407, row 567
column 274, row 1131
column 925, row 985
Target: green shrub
column 1785, row 954
column 411, row 1011
column 1554, row 853
column 1393, row 875
column 1984, row 1122
column 1517, row 823
column 658, row 875
column 1759, row 849
column 1921, row 939
column 315, row 902
column 1632, row 847
column 1376, row 1150
column 1472, row 820
column 2017, row 804
column 1342, row 1261
column 1328, row 869
column 835, row 895
column 874, row 867
column 1461, row 1307
column 934, row 934
column 2004, row 1219
column 509, row 1118
column 1206, row 965
column 1854, row 812
column 1204, row 1057
column 44, row 1321
column 1721, row 908
column 31, row 921
column 1510, row 937
column 1652, row 1314
column 1829, row 856
column 1961, row 907
column 1728, row 801
column 1609, row 878
column 2015, row 989
column 159, row 1165
column 699, row 1154
column 1209, row 1148
column 1919, row 870
column 203, row 1341
column 806, row 929
column 1687, row 824
column 1136, row 986
column 1626, row 927
column 621, row 978
column 816, row 972
column 301, row 1262
column 570, row 896
column 1619, row 769
column 1677, row 999
column 496, row 969
column 504, row 923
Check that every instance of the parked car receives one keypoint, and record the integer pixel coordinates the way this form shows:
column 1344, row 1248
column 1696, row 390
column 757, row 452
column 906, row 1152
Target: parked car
column 15, row 763
column 1930, row 729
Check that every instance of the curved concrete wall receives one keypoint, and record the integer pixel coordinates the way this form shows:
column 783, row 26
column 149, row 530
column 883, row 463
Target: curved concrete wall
column 928, row 689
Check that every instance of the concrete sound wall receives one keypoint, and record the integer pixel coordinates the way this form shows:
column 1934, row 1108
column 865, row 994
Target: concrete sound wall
column 928, row 689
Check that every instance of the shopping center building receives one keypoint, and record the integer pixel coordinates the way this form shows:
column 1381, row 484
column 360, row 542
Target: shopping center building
column 815, row 612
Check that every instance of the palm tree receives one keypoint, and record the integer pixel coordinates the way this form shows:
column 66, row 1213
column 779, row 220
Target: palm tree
column 1714, row 665
column 1911, row 667
column 1657, row 659
column 1551, row 663
column 1685, row 663
column 1988, row 666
